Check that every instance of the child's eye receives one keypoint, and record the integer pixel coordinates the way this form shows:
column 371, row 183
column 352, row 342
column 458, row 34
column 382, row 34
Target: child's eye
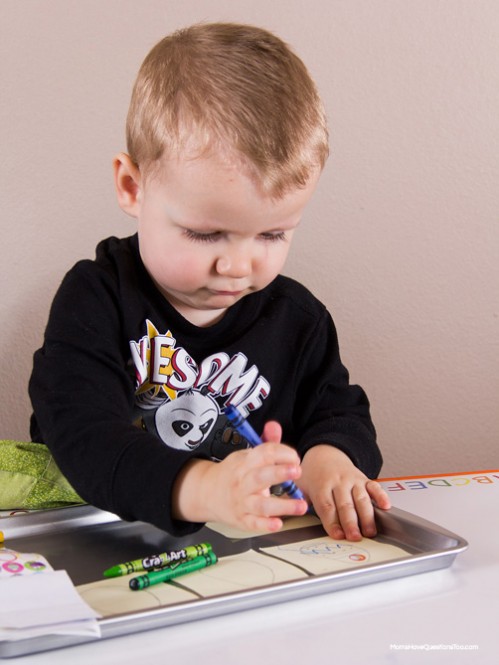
column 213, row 236
column 273, row 237
column 201, row 237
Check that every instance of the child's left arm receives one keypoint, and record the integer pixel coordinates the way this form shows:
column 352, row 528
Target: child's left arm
column 340, row 493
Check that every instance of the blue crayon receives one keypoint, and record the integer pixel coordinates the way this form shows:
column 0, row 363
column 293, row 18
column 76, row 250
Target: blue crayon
column 244, row 428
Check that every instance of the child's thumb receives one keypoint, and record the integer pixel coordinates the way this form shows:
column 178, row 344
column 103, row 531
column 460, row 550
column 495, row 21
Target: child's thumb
column 272, row 432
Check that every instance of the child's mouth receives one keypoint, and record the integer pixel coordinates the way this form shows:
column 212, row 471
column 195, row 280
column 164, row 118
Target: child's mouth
column 227, row 293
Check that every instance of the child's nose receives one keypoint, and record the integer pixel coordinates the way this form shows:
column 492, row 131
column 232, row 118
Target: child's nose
column 235, row 263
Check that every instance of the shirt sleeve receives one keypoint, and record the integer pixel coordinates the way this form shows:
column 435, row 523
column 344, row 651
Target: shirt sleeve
column 335, row 412
column 82, row 395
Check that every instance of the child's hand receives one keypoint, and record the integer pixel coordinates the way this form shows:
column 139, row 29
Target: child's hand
column 340, row 493
column 236, row 491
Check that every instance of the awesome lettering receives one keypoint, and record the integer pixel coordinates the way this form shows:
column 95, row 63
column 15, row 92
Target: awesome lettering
column 161, row 366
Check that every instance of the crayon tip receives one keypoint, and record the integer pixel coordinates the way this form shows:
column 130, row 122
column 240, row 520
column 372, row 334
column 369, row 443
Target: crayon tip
column 1, row 537
column 115, row 571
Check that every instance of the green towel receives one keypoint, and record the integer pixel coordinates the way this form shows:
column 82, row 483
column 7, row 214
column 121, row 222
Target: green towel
column 30, row 479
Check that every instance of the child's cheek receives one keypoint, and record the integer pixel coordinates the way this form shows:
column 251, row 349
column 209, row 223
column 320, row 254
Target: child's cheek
column 186, row 269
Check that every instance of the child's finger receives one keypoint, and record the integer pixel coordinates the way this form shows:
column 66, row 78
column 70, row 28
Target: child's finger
column 348, row 522
column 273, row 454
column 378, row 495
column 272, row 431
column 338, row 514
column 327, row 512
column 365, row 511
column 331, row 522
column 363, row 498
column 274, row 474
column 356, row 511
column 273, row 506
column 264, row 524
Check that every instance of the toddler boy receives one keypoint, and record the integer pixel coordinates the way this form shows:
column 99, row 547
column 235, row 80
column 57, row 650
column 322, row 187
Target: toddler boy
column 147, row 344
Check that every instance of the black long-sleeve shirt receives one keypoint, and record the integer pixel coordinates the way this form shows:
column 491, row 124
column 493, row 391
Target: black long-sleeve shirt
column 125, row 390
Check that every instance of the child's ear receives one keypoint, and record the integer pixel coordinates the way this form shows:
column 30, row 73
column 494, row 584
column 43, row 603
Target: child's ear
column 128, row 182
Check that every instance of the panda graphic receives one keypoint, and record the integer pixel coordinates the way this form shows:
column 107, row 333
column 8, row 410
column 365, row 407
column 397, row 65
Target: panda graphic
column 187, row 421
column 191, row 422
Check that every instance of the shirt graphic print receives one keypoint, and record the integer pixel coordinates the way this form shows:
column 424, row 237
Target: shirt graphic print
column 182, row 402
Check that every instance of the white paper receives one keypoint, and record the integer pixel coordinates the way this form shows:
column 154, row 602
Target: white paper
column 87, row 627
column 47, row 602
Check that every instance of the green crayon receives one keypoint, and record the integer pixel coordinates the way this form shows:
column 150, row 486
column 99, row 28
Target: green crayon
column 158, row 560
column 167, row 574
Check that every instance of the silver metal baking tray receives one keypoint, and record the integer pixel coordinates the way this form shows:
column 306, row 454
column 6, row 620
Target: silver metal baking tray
column 85, row 541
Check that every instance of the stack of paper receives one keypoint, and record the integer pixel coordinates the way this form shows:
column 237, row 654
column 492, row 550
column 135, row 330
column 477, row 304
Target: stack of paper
column 45, row 603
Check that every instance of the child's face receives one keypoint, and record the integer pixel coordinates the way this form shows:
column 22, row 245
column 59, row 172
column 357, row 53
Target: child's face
column 208, row 236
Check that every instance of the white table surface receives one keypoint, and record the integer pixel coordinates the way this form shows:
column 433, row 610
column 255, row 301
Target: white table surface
column 426, row 618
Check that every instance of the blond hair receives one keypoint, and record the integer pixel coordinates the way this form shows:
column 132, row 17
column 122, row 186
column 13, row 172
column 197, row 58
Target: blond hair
column 232, row 87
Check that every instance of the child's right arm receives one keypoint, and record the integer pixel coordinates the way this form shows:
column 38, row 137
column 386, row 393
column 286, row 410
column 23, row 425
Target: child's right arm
column 82, row 393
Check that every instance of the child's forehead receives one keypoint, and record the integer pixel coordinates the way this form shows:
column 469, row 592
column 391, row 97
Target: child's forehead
column 209, row 193
column 198, row 165
column 201, row 169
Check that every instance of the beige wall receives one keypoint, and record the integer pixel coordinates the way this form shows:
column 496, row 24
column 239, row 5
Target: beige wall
column 401, row 241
